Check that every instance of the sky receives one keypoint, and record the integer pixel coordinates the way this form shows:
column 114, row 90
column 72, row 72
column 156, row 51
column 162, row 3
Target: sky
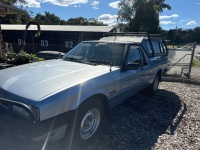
column 184, row 14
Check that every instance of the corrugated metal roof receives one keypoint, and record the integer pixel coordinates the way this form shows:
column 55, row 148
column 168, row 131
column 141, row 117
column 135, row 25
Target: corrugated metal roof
column 59, row 28
column 128, row 39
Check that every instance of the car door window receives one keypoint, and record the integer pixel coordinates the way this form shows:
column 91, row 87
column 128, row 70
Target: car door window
column 134, row 55
column 163, row 49
column 156, row 47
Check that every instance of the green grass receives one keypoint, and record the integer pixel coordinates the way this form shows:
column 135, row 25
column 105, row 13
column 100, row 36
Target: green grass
column 171, row 46
column 196, row 63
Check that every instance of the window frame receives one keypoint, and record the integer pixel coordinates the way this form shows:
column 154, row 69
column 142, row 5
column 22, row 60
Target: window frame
column 138, row 48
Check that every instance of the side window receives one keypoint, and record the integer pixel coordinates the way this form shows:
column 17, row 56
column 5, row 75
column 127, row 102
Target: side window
column 134, row 55
column 148, row 46
column 162, row 48
column 156, row 47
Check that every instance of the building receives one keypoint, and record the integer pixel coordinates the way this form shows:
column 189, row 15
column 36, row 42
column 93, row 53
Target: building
column 53, row 37
column 7, row 10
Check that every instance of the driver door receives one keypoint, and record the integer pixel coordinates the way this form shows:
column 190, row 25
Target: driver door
column 132, row 81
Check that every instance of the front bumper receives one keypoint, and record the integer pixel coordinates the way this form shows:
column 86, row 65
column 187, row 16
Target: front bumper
column 51, row 129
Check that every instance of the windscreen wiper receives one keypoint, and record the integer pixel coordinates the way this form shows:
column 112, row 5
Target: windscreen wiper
column 80, row 60
column 101, row 62
column 72, row 59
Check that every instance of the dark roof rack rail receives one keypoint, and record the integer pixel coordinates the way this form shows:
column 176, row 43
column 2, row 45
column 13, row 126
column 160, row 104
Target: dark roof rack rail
column 131, row 34
column 155, row 35
column 149, row 36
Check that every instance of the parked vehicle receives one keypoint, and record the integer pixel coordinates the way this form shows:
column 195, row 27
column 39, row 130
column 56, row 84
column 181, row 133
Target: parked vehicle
column 70, row 97
column 50, row 54
column 184, row 48
column 198, row 56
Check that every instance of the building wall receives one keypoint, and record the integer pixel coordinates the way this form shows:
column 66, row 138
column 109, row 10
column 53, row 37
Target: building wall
column 49, row 40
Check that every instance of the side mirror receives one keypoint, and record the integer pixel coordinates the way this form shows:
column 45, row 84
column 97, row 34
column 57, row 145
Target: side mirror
column 132, row 66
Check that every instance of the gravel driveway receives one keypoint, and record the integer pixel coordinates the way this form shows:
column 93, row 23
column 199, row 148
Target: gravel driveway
column 169, row 120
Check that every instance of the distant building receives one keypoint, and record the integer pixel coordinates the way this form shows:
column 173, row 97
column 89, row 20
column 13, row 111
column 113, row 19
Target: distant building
column 53, row 37
column 7, row 10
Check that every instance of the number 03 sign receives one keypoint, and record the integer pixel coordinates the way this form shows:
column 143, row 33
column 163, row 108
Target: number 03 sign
column 44, row 43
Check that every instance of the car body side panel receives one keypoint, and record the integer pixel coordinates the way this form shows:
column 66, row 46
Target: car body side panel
column 68, row 99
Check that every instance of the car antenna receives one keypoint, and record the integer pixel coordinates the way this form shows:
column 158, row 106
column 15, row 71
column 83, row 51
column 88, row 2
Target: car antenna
column 111, row 62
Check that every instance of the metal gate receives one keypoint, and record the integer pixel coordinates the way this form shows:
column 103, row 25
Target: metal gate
column 180, row 62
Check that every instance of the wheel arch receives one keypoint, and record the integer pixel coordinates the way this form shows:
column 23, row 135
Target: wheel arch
column 102, row 98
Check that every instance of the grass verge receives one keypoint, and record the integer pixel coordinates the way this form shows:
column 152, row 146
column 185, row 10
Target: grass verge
column 196, row 63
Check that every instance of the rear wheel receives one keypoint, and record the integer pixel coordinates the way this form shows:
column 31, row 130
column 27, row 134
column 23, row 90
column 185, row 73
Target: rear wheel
column 154, row 86
column 87, row 121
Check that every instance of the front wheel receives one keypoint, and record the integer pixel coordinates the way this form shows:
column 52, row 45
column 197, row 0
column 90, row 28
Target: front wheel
column 87, row 121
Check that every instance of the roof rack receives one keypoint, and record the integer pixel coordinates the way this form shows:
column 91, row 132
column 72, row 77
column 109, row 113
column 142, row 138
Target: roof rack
column 155, row 35
column 149, row 36
column 131, row 34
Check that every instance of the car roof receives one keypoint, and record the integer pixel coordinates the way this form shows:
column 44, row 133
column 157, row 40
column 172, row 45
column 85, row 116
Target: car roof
column 123, row 39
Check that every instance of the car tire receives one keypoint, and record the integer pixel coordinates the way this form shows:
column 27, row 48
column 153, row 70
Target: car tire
column 152, row 89
column 85, row 125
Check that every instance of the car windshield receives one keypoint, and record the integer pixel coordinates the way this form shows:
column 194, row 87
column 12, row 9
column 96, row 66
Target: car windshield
column 97, row 53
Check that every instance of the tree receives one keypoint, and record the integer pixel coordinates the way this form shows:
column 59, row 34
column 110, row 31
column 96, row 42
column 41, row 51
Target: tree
column 187, row 38
column 11, row 2
column 197, row 34
column 49, row 19
column 84, row 21
column 142, row 15
column 16, row 19
column 126, row 11
column 146, row 18
column 77, row 21
column 94, row 22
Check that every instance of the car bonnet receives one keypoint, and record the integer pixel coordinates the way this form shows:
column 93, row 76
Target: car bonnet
column 36, row 80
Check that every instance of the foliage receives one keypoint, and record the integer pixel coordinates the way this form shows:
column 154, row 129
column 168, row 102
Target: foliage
column 187, row 38
column 196, row 63
column 21, row 58
column 141, row 15
column 182, row 36
column 171, row 46
column 16, row 19
column 145, row 20
column 17, row 59
column 83, row 21
column 48, row 19
column 34, row 58
column 11, row 2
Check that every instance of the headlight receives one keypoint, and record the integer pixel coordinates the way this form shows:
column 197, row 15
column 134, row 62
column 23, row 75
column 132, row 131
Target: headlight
column 27, row 112
column 21, row 112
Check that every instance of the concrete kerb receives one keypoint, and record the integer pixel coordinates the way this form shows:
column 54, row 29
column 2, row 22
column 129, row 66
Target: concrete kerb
column 182, row 80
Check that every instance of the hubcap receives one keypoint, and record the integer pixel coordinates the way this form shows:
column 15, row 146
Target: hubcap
column 89, row 123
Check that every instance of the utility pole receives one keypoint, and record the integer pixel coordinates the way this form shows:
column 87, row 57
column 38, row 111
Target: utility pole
column 174, row 37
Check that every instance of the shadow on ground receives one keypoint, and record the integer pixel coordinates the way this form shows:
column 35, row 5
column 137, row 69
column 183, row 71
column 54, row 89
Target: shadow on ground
column 135, row 124
column 138, row 122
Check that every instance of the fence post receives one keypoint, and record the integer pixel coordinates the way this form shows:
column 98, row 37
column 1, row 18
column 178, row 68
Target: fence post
column 191, row 60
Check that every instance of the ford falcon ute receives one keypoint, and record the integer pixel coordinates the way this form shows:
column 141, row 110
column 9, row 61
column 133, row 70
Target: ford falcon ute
column 68, row 98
